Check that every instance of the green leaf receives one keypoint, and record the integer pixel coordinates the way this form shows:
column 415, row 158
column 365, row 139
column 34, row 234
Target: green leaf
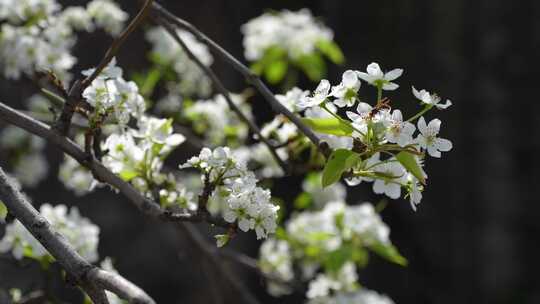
column 336, row 259
column 408, row 161
column 271, row 55
column 389, row 252
column 221, row 239
column 128, row 174
column 331, row 50
column 313, row 65
column 3, row 211
column 339, row 161
column 275, row 71
column 303, row 201
column 330, row 125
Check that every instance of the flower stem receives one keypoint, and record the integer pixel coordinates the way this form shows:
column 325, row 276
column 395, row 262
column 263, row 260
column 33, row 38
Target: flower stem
column 424, row 110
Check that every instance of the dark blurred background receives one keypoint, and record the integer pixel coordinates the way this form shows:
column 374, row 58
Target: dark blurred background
column 475, row 237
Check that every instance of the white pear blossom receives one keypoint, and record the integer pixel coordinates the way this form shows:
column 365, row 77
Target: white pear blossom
column 320, row 95
column 76, row 177
column 428, row 140
column 192, row 81
column 214, row 119
column 108, row 15
column 399, row 131
column 362, row 117
column 296, row 32
column 393, row 177
column 79, row 231
column 110, row 93
column 415, row 191
column 247, row 204
column 45, row 43
column 346, row 91
column 25, row 153
column 431, row 99
column 376, row 77
column 291, row 99
column 275, row 260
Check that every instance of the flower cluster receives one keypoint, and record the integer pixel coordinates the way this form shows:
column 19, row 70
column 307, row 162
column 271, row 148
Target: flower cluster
column 296, row 32
column 137, row 155
column 167, row 52
column 39, row 35
column 281, row 43
column 328, row 246
column 25, row 152
column 246, row 204
column 215, row 120
column 79, row 231
column 110, row 94
column 373, row 131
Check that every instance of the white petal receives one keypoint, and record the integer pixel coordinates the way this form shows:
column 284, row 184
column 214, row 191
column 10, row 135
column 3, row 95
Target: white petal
column 175, row 139
column 442, row 144
column 415, row 92
column 323, row 88
column 353, row 116
column 375, row 70
column 422, row 125
column 433, row 152
column 340, row 102
column 366, row 77
column 393, row 74
column 390, row 86
column 364, row 108
column 349, row 79
column 445, row 105
column 393, row 191
column 379, row 186
column 396, row 115
column 435, row 125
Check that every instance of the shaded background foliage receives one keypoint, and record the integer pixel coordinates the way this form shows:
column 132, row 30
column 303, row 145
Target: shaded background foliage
column 474, row 238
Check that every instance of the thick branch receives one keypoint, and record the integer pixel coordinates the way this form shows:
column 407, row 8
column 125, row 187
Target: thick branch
column 89, row 277
column 218, row 85
column 245, row 71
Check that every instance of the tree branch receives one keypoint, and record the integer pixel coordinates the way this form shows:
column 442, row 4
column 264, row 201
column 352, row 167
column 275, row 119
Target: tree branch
column 218, row 85
column 117, row 43
column 92, row 279
column 246, row 72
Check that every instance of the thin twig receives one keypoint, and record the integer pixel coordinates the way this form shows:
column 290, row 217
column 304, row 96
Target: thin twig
column 220, row 87
column 92, row 279
column 246, row 72
column 74, row 98
column 100, row 172
column 117, row 43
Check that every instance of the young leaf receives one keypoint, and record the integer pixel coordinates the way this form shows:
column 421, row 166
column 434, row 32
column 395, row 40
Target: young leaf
column 331, row 50
column 409, row 162
column 330, row 125
column 275, row 71
column 339, row 161
column 389, row 252
column 313, row 65
column 128, row 175
column 3, row 212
